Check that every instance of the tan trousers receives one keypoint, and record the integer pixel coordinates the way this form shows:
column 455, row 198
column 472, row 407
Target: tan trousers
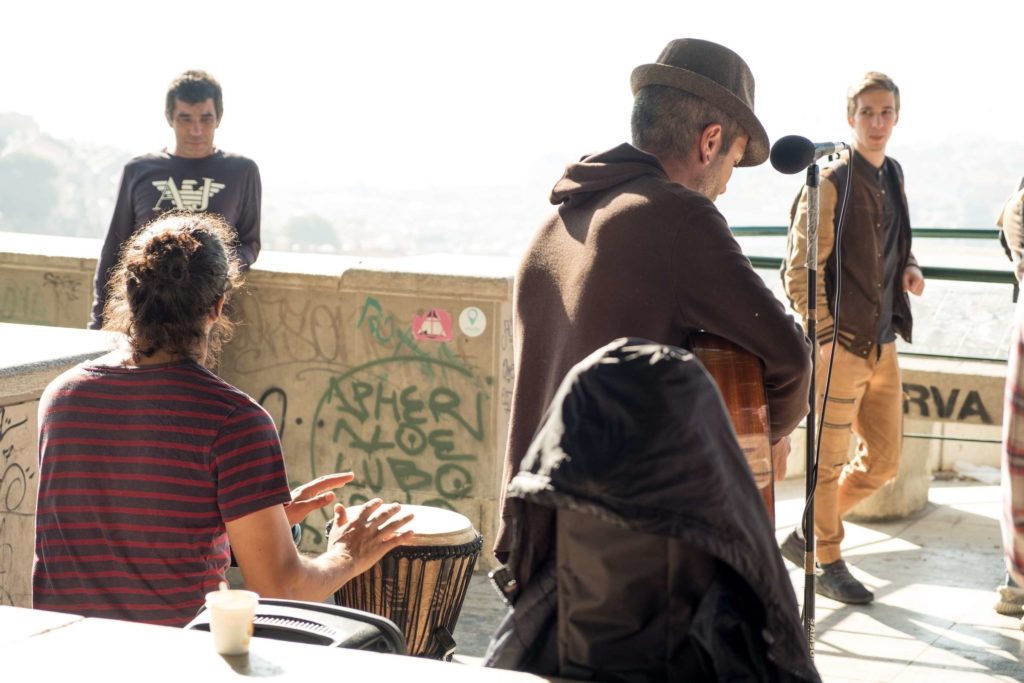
column 865, row 397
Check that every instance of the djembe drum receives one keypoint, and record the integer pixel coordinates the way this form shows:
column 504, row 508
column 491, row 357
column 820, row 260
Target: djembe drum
column 421, row 586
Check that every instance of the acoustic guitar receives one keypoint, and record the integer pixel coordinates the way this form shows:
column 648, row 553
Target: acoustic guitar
column 740, row 379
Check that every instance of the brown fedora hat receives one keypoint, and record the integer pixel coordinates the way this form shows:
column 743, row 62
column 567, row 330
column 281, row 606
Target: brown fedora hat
column 713, row 73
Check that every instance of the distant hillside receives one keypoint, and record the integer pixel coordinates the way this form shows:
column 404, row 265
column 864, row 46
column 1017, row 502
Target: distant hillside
column 958, row 184
column 62, row 187
column 53, row 186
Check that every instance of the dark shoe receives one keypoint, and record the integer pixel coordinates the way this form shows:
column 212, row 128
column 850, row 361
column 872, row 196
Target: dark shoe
column 835, row 581
column 793, row 549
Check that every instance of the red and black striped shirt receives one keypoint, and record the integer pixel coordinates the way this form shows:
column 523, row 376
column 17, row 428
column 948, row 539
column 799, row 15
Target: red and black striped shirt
column 139, row 470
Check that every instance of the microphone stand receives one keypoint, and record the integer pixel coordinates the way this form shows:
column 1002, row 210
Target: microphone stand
column 809, row 471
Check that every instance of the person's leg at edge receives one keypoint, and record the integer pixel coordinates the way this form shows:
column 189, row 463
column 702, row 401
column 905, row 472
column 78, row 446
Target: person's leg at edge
column 1010, row 593
column 878, row 426
column 850, row 376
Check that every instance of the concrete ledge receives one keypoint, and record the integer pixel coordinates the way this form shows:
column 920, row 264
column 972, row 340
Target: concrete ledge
column 900, row 497
column 33, row 356
column 401, row 370
column 952, row 411
column 398, row 369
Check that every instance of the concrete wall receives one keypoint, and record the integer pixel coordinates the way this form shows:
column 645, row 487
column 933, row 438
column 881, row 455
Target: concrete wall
column 400, row 370
column 18, row 487
column 402, row 375
column 312, row 314
column 32, row 356
column 46, row 280
column 952, row 412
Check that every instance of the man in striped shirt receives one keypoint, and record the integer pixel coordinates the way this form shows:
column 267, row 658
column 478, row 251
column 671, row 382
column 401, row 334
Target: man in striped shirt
column 150, row 464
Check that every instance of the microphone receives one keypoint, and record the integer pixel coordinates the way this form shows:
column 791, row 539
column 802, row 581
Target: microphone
column 794, row 153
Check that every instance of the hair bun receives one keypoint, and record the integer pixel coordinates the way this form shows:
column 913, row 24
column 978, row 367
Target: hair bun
column 168, row 259
column 176, row 268
column 170, row 275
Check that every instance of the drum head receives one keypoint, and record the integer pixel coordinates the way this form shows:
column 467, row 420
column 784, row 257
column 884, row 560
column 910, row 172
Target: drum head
column 433, row 526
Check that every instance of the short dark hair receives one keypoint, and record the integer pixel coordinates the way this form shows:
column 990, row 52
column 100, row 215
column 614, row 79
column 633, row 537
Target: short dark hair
column 194, row 87
column 169, row 275
column 667, row 121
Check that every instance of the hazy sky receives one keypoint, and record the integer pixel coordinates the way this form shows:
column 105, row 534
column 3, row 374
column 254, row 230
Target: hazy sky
column 485, row 92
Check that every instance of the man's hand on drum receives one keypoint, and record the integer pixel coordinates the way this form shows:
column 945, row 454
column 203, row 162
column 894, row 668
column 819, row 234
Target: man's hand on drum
column 376, row 529
column 314, row 495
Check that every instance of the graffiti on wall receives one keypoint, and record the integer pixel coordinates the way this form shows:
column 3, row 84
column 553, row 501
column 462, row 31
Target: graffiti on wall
column 46, row 298
column 920, row 401
column 394, row 337
column 508, row 368
column 280, row 329
column 21, row 301
column 412, row 419
column 17, row 498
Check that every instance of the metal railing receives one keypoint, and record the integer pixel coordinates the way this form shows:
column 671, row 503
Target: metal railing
column 945, row 233
column 1003, row 277
column 985, row 275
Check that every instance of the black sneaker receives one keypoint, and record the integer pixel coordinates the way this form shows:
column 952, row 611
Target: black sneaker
column 793, row 549
column 835, row 581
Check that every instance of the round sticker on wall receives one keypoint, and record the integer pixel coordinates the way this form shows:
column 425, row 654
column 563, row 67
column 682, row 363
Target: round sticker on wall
column 472, row 321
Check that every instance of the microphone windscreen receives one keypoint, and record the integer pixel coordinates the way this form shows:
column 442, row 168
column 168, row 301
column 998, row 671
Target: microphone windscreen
column 792, row 154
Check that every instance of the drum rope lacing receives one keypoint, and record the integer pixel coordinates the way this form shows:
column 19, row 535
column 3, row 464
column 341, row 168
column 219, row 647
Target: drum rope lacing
column 392, row 589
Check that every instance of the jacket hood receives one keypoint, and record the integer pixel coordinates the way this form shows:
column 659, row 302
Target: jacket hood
column 599, row 172
column 638, row 436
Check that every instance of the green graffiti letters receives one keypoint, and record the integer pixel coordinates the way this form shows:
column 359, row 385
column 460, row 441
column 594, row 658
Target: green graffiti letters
column 446, row 402
column 395, row 336
column 402, row 437
column 413, row 420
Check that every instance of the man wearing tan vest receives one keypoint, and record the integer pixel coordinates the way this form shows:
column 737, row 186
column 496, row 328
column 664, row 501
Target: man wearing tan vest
column 877, row 271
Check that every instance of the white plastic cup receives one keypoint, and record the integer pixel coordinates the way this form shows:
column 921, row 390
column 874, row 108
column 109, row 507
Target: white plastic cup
column 231, row 619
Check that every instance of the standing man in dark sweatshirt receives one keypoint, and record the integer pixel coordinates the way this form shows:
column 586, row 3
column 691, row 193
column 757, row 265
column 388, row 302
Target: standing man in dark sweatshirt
column 636, row 248
column 195, row 176
column 878, row 270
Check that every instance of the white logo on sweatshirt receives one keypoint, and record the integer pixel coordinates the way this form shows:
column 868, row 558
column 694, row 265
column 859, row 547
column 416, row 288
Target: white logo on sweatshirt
column 188, row 196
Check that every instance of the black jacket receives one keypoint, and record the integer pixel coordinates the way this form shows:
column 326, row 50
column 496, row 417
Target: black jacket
column 662, row 563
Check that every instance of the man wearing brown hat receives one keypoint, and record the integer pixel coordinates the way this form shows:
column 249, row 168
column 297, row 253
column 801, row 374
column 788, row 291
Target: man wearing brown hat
column 636, row 248
column 876, row 273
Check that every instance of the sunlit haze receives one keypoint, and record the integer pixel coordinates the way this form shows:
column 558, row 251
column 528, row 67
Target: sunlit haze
column 469, row 94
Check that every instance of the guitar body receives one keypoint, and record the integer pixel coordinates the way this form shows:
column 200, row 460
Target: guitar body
column 740, row 379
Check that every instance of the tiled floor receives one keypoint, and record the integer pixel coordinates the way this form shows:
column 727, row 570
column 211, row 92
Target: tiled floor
column 933, row 575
